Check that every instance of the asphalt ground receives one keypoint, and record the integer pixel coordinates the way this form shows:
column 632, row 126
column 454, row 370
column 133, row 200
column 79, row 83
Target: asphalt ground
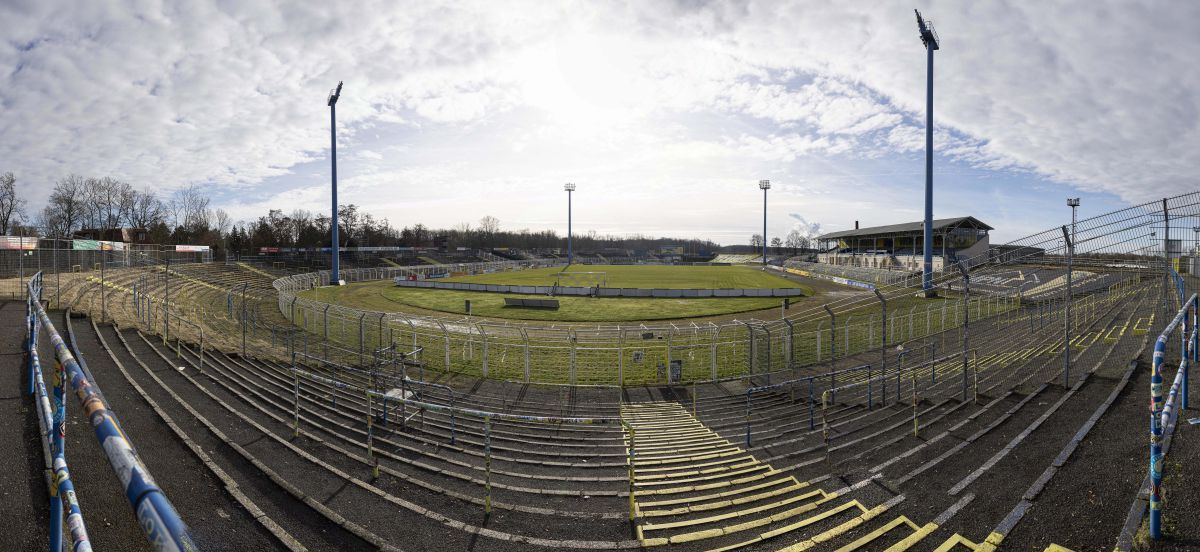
column 23, row 491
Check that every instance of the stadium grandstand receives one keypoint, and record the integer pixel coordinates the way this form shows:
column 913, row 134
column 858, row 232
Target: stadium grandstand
column 268, row 418
column 900, row 246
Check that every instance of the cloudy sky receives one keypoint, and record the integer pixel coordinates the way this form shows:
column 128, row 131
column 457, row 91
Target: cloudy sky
column 666, row 114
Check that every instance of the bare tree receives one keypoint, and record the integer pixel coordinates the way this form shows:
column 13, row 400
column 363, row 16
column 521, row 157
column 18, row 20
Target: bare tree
column 223, row 222
column 793, row 240
column 11, row 206
column 489, row 225
column 302, row 220
column 146, row 210
column 190, row 208
column 756, row 241
column 64, row 212
column 104, row 200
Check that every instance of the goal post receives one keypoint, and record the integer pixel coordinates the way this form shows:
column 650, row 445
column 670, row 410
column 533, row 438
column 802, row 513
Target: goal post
column 581, row 279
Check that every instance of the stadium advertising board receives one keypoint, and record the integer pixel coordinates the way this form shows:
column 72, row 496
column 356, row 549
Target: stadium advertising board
column 17, row 242
column 854, row 283
column 837, row 279
column 97, row 245
column 191, row 248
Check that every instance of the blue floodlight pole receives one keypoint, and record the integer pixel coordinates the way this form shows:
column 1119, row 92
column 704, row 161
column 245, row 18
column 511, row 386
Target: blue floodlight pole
column 764, row 185
column 335, row 275
column 569, row 187
column 929, row 37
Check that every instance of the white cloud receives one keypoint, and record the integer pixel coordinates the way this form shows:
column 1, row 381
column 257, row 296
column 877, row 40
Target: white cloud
column 646, row 97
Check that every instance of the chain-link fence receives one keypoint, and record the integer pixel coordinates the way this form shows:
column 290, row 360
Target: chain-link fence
column 1037, row 282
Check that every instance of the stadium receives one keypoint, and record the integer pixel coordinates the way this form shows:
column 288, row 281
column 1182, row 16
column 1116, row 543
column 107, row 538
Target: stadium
column 849, row 409
column 928, row 385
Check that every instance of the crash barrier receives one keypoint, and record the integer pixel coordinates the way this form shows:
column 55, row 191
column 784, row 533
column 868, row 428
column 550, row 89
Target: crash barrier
column 155, row 514
column 487, row 417
column 1164, row 413
column 52, row 423
column 600, row 291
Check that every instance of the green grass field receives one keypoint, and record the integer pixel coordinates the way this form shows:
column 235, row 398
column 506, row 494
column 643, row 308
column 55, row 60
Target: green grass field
column 386, row 297
column 643, row 276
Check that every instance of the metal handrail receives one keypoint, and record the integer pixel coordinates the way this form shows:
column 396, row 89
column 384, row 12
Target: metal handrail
column 1163, row 412
column 156, row 515
column 53, row 428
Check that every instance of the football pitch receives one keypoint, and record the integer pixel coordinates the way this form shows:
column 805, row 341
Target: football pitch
column 643, row 276
column 384, row 296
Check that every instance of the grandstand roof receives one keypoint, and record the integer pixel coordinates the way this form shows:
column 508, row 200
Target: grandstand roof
column 938, row 224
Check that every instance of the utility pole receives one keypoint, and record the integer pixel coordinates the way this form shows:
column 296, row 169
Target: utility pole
column 930, row 39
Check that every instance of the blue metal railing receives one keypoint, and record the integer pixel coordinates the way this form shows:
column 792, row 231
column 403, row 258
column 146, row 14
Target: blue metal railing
column 51, row 419
column 155, row 514
column 1162, row 409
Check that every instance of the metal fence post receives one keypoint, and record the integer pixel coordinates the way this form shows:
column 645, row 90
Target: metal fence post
column 914, row 401
column 244, row 286
column 571, row 339
column 748, row 392
column 751, row 349
column 883, row 346
column 620, row 357
column 446, row 343
column 483, row 337
column 166, row 298
column 713, row 352
column 820, row 328
column 670, row 336
column 632, row 474
column 791, row 336
column 966, row 323
column 371, row 438
column 832, row 349
column 361, row 338
column 767, row 330
column 1067, row 314
column 487, row 448
column 525, row 339
column 943, row 330
column 846, row 332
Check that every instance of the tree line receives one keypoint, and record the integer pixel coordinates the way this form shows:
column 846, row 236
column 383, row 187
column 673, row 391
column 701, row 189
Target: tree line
column 186, row 217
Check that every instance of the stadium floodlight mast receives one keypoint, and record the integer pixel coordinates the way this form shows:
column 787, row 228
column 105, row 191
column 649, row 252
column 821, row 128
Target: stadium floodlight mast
column 334, row 276
column 1073, row 203
column 569, row 187
column 930, row 39
column 764, row 185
